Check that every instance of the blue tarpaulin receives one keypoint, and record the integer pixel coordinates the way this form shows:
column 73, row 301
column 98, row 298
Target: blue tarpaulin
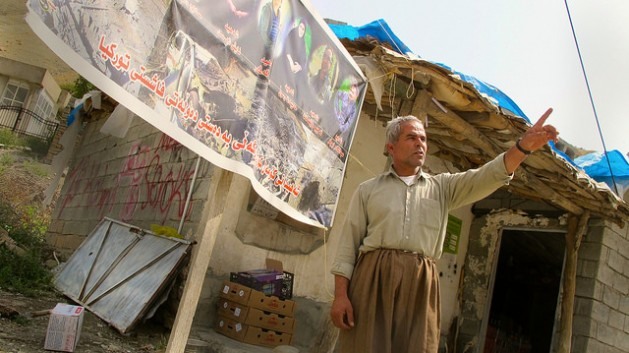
column 598, row 167
column 595, row 164
column 378, row 29
column 492, row 92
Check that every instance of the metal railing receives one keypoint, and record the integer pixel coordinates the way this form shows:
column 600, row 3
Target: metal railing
column 25, row 123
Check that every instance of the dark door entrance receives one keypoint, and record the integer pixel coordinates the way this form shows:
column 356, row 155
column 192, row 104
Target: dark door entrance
column 525, row 294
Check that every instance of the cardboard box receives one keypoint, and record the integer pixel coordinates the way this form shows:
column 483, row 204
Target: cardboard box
column 271, row 321
column 241, row 294
column 268, row 338
column 271, row 304
column 64, row 328
column 232, row 310
column 251, row 334
column 235, row 292
column 231, row 328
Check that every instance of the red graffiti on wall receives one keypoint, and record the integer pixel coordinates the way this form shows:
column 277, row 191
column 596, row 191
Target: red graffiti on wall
column 167, row 143
column 147, row 181
column 85, row 188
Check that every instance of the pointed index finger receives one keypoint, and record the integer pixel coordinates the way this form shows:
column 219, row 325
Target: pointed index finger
column 540, row 122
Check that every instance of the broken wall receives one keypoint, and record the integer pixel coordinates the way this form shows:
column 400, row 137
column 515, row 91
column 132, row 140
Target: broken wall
column 313, row 283
column 468, row 329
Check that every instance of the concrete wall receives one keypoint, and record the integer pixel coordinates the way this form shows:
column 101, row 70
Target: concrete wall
column 142, row 180
column 313, row 284
column 23, row 72
column 312, row 270
column 601, row 317
column 450, row 271
column 51, row 87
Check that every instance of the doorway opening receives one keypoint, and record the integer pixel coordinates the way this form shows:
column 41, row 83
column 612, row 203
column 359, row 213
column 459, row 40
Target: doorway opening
column 525, row 292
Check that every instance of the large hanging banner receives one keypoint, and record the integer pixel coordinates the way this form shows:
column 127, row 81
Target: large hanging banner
column 258, row 87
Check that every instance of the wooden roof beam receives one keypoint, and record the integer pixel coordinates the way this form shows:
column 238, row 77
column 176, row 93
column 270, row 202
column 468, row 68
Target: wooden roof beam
column 547, row 192
column 426, row 104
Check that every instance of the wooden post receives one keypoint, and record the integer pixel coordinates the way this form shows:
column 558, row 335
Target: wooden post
column 577, row 227
column 200, row 260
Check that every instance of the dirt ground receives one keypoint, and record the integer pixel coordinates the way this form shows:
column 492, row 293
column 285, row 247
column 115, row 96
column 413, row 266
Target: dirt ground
column 23, row 332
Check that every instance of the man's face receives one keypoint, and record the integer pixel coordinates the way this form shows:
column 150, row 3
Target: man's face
column 409, row 151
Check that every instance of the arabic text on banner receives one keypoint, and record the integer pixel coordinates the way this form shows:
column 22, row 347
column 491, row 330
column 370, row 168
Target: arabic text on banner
column 259, row 88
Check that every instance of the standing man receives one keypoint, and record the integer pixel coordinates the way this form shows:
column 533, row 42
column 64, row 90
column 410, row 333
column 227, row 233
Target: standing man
column 386, row 280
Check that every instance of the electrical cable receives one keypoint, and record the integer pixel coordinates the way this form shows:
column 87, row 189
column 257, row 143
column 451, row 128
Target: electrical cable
column 587, row 84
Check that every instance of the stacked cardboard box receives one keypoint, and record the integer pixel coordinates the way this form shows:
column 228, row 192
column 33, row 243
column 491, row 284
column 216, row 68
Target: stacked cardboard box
column 250, row 316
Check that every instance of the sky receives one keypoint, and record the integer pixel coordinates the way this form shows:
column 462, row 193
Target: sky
column 526, row 49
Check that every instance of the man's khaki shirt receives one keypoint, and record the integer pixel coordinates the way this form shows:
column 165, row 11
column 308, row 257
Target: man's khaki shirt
column 385, row 213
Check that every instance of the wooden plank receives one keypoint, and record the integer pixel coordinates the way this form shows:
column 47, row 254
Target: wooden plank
column 548, row 193
column 463, row 128
column 199, row 263
column 577, row 228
